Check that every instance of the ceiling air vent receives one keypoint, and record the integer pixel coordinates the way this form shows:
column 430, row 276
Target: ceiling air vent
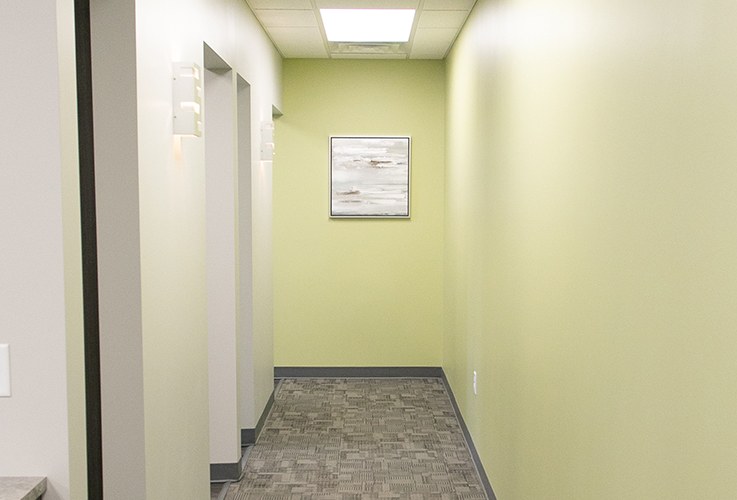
column 367, row 48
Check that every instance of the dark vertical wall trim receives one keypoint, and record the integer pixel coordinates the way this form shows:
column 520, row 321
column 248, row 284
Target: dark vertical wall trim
column 89, row 249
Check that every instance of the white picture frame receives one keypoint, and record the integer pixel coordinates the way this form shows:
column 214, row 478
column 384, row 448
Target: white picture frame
column 370, row 177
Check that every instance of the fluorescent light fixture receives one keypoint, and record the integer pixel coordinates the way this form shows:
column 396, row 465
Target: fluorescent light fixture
column 367, row 25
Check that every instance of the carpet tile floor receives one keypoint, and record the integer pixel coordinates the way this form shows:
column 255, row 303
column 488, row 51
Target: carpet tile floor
column 360, row 439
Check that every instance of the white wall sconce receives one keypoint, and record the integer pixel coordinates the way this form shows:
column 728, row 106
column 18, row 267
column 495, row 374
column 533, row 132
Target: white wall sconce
column 267, row 141
column 187, row 99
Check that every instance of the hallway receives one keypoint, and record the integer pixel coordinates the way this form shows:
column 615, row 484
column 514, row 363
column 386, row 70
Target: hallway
column 360, row 438
column 569, row 263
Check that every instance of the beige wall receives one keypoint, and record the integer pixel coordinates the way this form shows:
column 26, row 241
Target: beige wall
column 590, row 246
column 357, row 292
column 42, row 424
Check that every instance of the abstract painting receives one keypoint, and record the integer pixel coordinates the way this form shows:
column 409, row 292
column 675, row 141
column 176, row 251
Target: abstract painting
column 369, row 177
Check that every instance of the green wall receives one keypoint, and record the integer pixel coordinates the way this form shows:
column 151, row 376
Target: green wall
column 357, row 292
column 591, row 243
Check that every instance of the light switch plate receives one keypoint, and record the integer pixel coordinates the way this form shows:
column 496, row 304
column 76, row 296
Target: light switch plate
column 4, row 371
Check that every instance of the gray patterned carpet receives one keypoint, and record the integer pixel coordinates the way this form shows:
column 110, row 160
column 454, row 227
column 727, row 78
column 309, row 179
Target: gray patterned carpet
column 360, row 439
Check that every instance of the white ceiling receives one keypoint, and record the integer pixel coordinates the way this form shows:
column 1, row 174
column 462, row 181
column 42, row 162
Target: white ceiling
column 296, row 29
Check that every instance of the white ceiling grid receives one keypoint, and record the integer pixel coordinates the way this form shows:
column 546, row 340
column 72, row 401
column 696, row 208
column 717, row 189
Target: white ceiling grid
column 296, row 28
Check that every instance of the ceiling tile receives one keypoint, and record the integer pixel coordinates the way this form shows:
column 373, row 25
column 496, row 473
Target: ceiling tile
column 280, row 4
column 432, row 43
column 428, row 54
column 298, row 42
column 294, row 25
column 367, row 4
column 286, row 18
column 449, row 4
column 442, row 18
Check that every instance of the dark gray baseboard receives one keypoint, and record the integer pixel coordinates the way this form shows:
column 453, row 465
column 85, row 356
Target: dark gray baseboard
column 264, row 414
column 225, row 472
column 357, row 371
column 249, row 436
column 232, row 472
column 471, row 447
column 392, row 371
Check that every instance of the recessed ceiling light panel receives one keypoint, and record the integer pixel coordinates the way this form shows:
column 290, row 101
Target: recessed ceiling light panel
column 367, row 25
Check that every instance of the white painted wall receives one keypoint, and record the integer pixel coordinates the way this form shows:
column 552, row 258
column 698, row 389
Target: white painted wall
column 172, row 181
column 263, row 299
column 118, row 242
column 42, row 424
column 247, row 404
column 220, row 185
column 152, row 237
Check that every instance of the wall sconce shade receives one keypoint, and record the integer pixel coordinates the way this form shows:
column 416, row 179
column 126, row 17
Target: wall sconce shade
column 187, row 99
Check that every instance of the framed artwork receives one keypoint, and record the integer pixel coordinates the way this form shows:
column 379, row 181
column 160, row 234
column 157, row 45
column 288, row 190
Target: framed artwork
column 369, row 177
